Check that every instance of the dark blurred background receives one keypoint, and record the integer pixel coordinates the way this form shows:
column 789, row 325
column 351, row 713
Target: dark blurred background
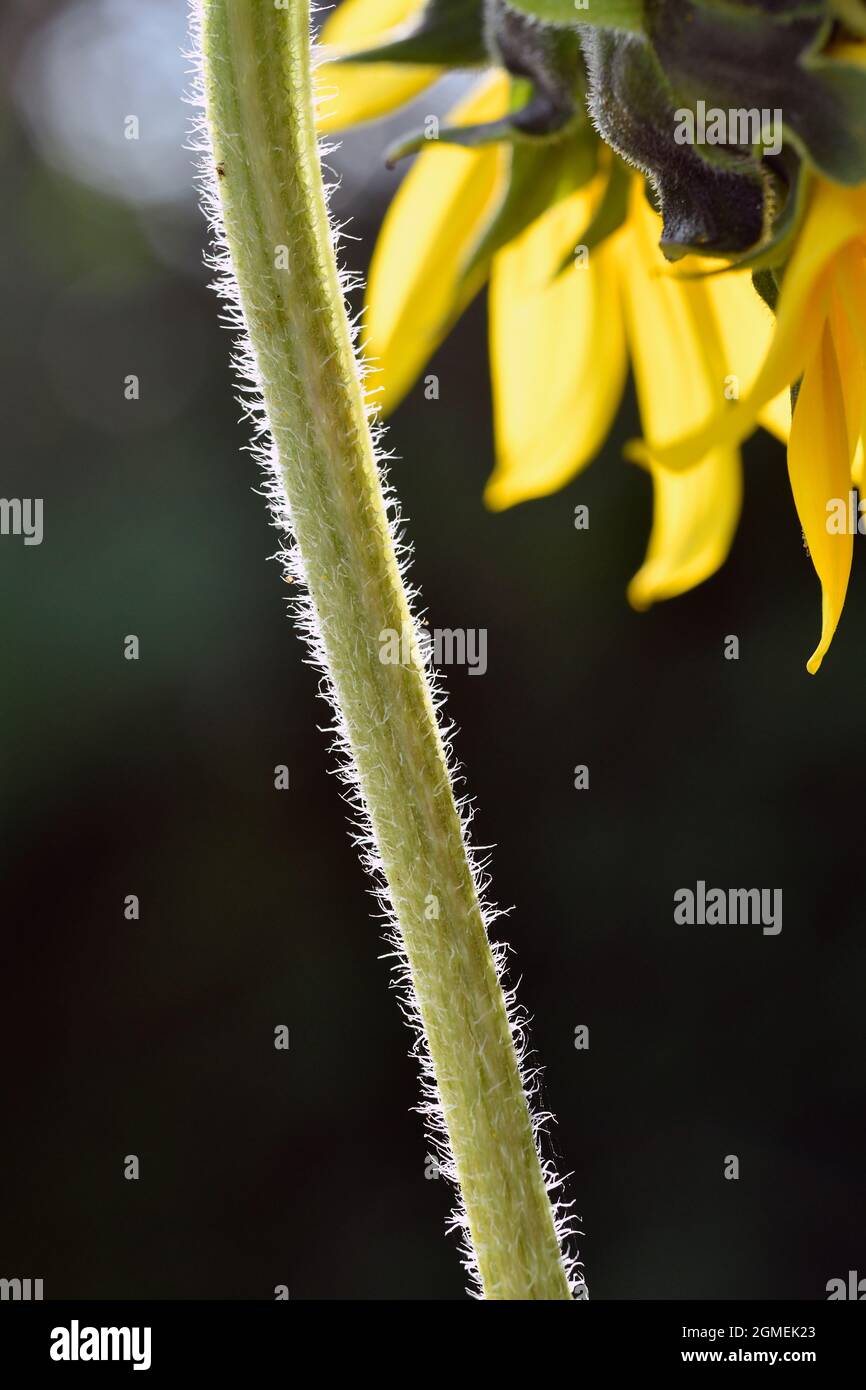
column 155, row 1037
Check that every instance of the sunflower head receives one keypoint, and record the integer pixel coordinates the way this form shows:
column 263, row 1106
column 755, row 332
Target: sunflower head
column 601, row 142
column 722, row 106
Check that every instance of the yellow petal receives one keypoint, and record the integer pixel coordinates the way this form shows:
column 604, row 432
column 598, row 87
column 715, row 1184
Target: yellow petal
column 557, row 355
column 360, row 23
column 695, row 516
column 819, row 469
column 775, row 417
column 746, row 328
column 835, row 217
column 848, row 51
column 673, row 336
column 680, row 373
column 414, row 292
column 851, row 372
column 848, row 326
column 349, row 94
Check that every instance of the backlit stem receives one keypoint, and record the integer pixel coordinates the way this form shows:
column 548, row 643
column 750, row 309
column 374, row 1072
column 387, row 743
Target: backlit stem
column 259, row 112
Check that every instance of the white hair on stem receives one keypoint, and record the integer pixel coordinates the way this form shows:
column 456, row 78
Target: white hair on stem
column 251, row 400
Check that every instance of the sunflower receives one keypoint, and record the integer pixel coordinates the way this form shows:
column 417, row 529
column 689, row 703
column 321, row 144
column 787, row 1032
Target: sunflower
column 579, row 287
column 819, row 341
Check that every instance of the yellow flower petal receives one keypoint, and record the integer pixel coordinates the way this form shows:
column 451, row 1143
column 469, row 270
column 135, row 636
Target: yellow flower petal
column 775, row 417
column 673, row 336
column 695, row 516
column 848, row 51
column 357, row 23
column 349, row 94
column 835, row 217
column 680, row 371
column 414, row 293
column 848, row 325
column 819, row 468
column 851, row 370
column 746, row 328
column 557, row 355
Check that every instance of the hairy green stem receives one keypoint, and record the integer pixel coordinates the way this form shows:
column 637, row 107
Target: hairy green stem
column 260, row 122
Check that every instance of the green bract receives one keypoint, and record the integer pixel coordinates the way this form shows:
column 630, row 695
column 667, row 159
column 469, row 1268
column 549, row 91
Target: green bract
column 609, row 14
column 447, row 32
column 724, row 105
column 541, row 172
column 852, row 13
column 654, row 61
column 753, row 57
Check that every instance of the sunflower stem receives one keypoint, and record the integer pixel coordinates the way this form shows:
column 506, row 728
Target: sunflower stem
column 269, row 197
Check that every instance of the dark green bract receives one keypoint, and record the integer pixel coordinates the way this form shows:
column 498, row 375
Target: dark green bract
column 738, row 69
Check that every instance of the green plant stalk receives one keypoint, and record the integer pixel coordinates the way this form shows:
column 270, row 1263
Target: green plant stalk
column 260, row 123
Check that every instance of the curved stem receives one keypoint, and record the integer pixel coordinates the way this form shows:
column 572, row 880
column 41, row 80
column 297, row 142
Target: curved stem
column 259, row 118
